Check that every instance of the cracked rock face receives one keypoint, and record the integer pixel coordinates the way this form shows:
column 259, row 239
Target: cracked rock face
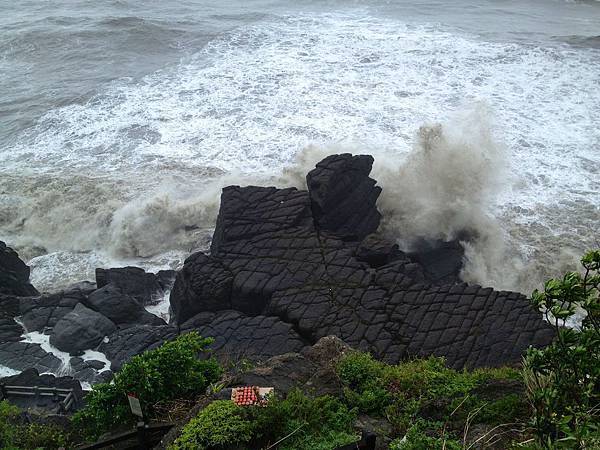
column 311, row 260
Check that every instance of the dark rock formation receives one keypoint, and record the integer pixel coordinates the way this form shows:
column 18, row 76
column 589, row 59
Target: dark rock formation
column 127, row 342
column 311, row 259
column 204, row 284
column 287, row 267
column 135, row 282
column 38, row 313
column 343, row 196
column 24, row 355
column 119, row 307
column 81, row 329
column 377, row 251
column 441, row 261
column 10, row 331
column 238, row 336
column 14, row 274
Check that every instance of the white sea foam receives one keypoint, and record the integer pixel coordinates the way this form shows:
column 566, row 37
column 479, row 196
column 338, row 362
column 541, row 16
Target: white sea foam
column 161, row 308
column 94, row 355
column 43, row 340
column 137, row 170
column 7, row 371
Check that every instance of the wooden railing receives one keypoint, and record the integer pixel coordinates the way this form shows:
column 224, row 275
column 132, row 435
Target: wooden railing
column 65, row 398
column 143, row 437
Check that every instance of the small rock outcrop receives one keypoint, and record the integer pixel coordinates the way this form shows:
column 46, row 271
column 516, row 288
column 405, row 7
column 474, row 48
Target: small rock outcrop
column 14, row 274
column 343, row 197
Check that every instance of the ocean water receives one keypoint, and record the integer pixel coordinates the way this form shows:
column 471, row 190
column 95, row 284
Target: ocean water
column 121, row 120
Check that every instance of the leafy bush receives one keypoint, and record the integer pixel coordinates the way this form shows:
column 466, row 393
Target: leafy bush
column 364, row 385
column 170, row 371
column 321, row 423
column 564, row 379
column 17, row 435
column 220, row 423
column 428, row 403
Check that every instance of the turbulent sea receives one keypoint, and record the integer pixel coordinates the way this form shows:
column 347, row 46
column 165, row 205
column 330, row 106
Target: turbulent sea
column 120, row 121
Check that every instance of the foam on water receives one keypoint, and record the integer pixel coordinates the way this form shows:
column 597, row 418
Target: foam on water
column 161, row 308
column 94, row 355
column 7, row 371
column 43, row 340
column 137, row 170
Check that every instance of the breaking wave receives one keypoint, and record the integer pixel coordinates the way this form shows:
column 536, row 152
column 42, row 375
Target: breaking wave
column 133, row 175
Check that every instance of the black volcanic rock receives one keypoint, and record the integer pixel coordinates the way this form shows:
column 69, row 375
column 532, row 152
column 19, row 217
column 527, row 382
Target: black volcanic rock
column 203, row 284
column 119, row 307
column 24, row 355
column 127, row 342
column 377, row 251
column 288, row 267
column 10, row 331
column 470, row 326
column 136, row 282
column 238, row 336
column 14, row 274
column 38, row 313
column 253, row 211
column 441, row 261
column 81, row 329
column 343, row 197
column 312, row 260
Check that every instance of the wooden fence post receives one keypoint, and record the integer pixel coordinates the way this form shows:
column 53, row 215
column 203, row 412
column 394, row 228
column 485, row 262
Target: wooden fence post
column 141, row 434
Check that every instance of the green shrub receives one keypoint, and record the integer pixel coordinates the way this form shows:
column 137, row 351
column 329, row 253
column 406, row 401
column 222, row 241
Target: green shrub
column 563, row 379
column 219, row 424
column 16, row 435
column 417, row 439
column 168, row 372
column 363, row 379
column 320, row 423
column 428, row 402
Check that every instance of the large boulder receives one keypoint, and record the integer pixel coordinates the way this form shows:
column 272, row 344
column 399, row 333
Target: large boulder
column 343, row 197
column 144, row 287
column 119, row 307
column 81, row 329
column 14, row 274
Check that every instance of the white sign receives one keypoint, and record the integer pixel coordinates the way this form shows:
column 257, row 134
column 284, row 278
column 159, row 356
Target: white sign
column 135, row 406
